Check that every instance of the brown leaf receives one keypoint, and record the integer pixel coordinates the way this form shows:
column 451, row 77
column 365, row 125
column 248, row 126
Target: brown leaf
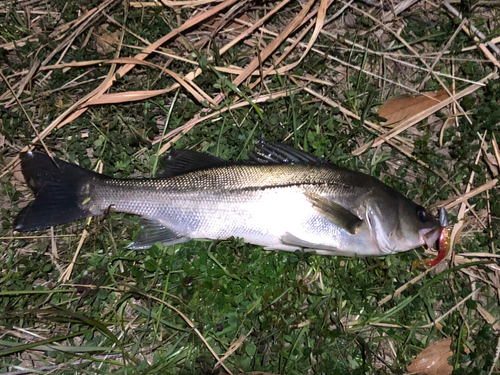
column 18, row 175
column 106, row 41
column 403, row 107
column 433, row 360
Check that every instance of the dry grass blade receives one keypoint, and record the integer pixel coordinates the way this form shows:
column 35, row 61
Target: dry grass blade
column 234, row 346
column 96, row 94
column 177, row 133
column 319, row 25
column 251, row 67
column 456, row 13
column 307, row 73
column 187, row 84
column 24, row 82
column 275, row 43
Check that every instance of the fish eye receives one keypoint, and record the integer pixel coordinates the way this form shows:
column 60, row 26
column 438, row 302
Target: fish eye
column 422, row 215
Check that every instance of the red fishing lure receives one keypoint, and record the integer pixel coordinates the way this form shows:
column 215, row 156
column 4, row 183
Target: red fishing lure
column 444, row 239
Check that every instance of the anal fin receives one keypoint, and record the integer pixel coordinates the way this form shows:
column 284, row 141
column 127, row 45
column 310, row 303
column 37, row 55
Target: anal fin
column 292, row 240
column 151, row 232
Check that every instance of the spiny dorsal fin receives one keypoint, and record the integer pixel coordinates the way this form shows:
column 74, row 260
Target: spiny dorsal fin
column 179, row 162
column 335, row 213
column 276, row 153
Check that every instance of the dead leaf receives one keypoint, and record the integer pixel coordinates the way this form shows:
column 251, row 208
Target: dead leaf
column 18, row 175
column 403, row 107
column 491, row 161
column 106, row 41
column 433, row 360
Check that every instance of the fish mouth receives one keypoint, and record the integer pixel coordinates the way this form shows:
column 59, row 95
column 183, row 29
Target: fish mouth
column 429, row 236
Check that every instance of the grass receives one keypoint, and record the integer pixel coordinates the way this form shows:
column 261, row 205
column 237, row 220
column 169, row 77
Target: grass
column 75, row 300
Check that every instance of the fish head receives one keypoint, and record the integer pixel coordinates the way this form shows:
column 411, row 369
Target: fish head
column 418, row 226
column 398, row 224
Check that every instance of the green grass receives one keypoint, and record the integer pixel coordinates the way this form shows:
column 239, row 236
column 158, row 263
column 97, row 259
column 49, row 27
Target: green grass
column 124, row 311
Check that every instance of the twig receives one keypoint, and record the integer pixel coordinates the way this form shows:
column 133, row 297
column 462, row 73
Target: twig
column 456, row 13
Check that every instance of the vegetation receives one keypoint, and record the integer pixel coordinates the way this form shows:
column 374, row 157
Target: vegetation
column 112, row 86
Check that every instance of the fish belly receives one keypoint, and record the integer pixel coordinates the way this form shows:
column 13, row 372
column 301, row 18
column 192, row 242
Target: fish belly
column 260, row 216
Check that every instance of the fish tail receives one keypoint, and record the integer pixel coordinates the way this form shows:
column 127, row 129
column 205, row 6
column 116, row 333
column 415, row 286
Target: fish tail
column 61, row 190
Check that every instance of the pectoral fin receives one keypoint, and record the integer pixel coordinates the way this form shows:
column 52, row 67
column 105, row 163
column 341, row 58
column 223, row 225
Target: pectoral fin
column 335, row 213
column 151, row 232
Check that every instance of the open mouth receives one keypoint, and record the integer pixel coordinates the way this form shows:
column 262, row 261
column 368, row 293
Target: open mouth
column 429, row 236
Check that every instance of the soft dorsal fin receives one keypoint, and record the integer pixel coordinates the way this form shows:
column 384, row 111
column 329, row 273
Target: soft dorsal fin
column 179, row 162
column 276, row 153
column 335, row 213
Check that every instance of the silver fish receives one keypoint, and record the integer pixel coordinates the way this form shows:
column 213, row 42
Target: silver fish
column 283, row 199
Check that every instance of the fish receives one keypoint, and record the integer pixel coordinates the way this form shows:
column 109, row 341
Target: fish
column 281, row 198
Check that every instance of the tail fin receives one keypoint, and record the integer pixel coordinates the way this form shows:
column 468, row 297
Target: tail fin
column 60, row 190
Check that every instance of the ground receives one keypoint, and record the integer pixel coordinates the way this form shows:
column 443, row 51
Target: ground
column 112, row 86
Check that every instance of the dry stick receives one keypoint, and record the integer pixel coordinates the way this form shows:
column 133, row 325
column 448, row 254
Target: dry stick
column 399, row 8
column 66, row 275
column 412, row 50
column 254, row 64
column 424, row 114
column 191, row 324
column 450, row 310
column 457, row 228
column 367, row 72
column 69, row 40
column 405, row 286
column 254, row 27
column 24, row 82
column 73, row 112
column 442, row 52
column 473, row 28
column 495, row 360
column 27, row 116
column 186, row 127
column 489, row 55
column 178, row 3
column 456, row 201
column 234, row 346
column 31, row 237
column 497, row 155
column 320, row 20
column 96, row 94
